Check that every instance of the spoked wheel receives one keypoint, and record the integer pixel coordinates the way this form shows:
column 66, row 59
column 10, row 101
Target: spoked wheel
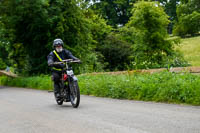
column 74, row 94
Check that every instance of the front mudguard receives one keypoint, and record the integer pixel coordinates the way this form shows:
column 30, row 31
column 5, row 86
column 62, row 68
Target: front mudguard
column 74, row 78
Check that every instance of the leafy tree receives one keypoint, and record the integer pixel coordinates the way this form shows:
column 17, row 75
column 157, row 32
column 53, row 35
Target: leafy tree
column 149, row 22
column 188, row 23
column 93, row 58
column 19, row 55
column 170, row 9
column 98, row 26
column 27, row 20
column 116, row 52
column 3, row 47
column 112, row 51
column 2, row 64
column 35, row 24
column 116, row 12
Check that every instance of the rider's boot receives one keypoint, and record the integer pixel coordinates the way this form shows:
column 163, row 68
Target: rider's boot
column 57, row 90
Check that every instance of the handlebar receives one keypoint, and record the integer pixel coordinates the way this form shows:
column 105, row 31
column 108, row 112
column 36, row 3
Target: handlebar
column 68, row 61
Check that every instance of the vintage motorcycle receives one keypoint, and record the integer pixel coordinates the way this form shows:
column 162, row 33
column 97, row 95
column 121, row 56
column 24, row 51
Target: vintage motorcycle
column 69, row 85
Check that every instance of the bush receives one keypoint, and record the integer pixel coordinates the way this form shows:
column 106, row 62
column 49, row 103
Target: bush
column 2, row 64
column 116, row 52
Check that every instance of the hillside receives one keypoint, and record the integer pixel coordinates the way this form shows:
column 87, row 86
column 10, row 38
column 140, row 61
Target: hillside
column 190, row 47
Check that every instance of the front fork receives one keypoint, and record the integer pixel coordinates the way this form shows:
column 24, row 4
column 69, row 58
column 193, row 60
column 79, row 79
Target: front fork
column 71, row 80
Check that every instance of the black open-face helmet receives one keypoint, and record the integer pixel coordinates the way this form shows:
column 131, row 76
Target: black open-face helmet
column 57, row 42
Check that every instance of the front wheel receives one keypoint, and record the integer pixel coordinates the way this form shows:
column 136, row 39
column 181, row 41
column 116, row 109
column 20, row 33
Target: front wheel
column 74, row 94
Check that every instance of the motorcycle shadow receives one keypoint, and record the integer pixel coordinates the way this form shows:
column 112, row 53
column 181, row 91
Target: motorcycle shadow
column 64, row 106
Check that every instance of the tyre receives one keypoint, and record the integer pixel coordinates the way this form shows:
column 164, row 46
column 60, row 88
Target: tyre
column 74, row 94
column 59, row 101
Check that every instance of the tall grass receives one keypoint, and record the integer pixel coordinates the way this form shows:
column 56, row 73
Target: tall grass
column 161, row 87
column 190, row 47
column 38, row 82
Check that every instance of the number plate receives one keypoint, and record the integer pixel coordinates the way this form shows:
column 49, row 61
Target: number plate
column 70, row 72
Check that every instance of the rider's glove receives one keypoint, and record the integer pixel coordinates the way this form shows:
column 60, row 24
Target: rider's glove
column 79, row 61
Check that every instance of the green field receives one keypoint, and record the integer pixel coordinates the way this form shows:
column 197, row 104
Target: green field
column 190, row 47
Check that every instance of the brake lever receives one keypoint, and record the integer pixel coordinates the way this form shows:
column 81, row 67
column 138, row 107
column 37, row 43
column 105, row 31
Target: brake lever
column 77, row 61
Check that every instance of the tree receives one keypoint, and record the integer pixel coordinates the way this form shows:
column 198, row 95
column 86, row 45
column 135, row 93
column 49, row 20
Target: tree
column 3, row 47
column 116, row 12
column 149, row 22
column 35, row 24
column 28, row 22
column 188, row 22
column 188, row 25
column 117, row 53
column 170, row 9
column 98, row 26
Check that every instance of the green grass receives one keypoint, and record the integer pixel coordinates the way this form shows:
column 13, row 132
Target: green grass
column 190, row 47
column 160, row 87
column 38, row 82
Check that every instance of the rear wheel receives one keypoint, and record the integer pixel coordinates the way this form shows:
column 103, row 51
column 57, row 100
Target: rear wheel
column 74, row 94
column 58, row 100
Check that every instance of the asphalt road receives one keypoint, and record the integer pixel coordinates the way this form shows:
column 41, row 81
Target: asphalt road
column 33, row 111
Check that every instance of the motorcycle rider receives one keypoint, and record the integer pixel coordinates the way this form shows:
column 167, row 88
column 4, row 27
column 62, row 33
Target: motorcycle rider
column 57, row 55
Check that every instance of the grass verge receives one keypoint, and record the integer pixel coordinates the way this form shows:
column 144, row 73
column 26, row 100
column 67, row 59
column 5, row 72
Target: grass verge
column 38, row 82
column 160, row 87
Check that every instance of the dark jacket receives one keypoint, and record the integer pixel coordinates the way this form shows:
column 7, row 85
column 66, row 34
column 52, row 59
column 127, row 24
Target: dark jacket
column 65, row 54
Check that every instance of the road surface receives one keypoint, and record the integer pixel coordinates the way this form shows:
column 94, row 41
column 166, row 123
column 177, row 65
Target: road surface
column 33, row 111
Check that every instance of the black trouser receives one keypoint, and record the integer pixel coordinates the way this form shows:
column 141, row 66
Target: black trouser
column 56, row 78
